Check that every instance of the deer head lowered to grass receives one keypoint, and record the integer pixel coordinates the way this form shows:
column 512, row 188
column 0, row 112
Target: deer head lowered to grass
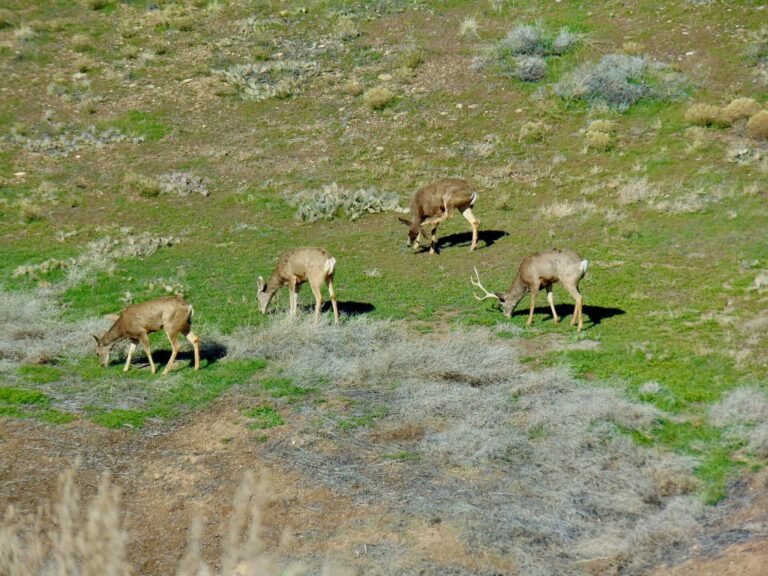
column 542, row 269
column 173, row 315
column 434, row 204
column 295, row 267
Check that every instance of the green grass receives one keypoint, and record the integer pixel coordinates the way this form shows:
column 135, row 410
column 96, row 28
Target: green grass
column 41, row 374
column 263, row 417
column 284, row 388
column 21, row 396
column 150, row 125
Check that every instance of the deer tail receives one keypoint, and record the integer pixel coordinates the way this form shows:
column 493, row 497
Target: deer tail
column 584, row 264
column 474, row 199
column 191, row 312
column 330, row 266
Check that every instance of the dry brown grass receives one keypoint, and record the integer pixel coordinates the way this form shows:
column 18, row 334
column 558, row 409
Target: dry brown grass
column 757, row 127
column 73, row 541
column 597, row 140
column 701, row 114
column 534, row 131
column 740, row 109
column 378, row 97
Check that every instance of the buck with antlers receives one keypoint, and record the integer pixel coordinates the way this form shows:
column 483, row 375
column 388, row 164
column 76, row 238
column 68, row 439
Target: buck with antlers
column 434, row 204
column 295, row 267
column 542, row 269
column 173, row 315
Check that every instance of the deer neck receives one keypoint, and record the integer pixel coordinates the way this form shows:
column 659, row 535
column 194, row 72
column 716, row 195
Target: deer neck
column 517, row 291
column 114, row 334
column 274, row 283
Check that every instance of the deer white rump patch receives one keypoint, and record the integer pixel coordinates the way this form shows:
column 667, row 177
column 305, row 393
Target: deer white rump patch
column 584, row 264
column 474, row 199
column 330, row 265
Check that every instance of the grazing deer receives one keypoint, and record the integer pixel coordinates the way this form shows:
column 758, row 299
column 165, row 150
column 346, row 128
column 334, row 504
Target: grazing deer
column 434, row 204
column 295, row 267
column 173, row 315
column 542, row 269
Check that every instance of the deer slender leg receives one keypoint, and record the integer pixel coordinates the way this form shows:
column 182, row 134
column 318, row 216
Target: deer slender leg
column 175, row 346
column 318, row 299
column 551, row 300
column 131, row 349
column 578, row 314
column 333, row 300
column 195, row 341
column 433, row 239
column 145, row 344
column 534, row 292
column 474, row 223
column 433, row 223
column 293, row 297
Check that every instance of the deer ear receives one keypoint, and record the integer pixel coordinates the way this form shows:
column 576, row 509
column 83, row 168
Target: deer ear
column 500, row 296
column 112, row 317
column 95, row 338
column 259, row 284
column 404, row 220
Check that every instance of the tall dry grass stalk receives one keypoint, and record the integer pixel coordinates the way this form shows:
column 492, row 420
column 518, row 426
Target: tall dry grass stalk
column 68, row 541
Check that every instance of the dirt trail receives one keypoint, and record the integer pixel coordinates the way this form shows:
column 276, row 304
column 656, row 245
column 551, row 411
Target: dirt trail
column 167, row 475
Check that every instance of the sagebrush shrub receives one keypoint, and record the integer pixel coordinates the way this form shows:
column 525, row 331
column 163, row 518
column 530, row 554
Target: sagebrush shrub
column 521, row 52
column 527, row 68
column 331, row 201
column 619, row 81
column 273, row 79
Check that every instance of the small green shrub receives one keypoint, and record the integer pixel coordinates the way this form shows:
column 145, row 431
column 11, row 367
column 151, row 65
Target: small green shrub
column 273, row 79
column 345, row 28
column 80, row 42
column 534, row 131
column 120, row 418
column 144, row 186
column 378, row 97
column 412, row 57
column 30, row 212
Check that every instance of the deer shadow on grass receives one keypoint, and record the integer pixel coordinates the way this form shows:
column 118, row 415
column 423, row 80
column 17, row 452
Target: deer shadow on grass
column 593, row 315
column 211, row 352
column 348, row 307
column 487, row 237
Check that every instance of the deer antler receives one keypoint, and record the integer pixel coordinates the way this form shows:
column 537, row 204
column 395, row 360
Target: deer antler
column 479, row 285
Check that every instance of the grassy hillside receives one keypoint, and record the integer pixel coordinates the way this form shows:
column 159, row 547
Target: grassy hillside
column 165, row 147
